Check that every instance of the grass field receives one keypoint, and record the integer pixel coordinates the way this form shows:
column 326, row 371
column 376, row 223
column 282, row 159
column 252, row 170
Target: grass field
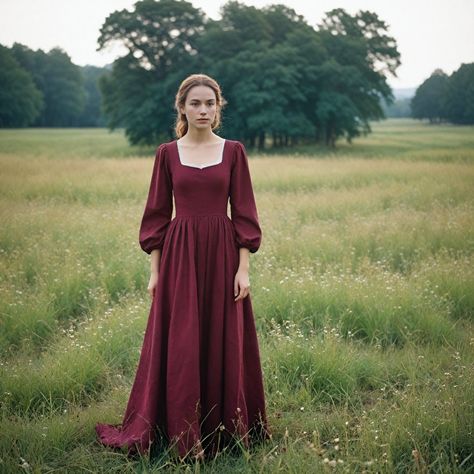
column 363, row 292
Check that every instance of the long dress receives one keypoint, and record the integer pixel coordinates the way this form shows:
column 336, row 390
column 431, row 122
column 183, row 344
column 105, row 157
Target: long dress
column 199, row 378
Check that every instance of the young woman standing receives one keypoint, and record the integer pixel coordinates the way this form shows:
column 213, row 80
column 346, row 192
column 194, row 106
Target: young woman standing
column 199, row 383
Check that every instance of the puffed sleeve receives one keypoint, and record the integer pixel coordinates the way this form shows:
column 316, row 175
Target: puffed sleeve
column 159, row 205
column 242, row 202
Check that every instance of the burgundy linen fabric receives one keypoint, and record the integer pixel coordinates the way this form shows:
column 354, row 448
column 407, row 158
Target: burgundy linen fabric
column 199, row 376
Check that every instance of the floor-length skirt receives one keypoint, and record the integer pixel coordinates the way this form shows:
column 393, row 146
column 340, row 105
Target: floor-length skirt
column 199, row 378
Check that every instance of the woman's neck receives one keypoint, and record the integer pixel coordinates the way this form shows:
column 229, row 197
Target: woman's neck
column 198, row 137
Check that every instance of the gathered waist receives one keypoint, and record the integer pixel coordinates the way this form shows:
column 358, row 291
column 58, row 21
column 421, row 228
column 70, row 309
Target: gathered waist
column 182, row 216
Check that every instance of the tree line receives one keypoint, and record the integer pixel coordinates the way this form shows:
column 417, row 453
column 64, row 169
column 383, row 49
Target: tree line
column 41, row 89
column 443, row 98
column 284, row 81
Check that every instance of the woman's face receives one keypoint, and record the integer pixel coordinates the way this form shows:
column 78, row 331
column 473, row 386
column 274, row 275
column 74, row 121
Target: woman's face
column 200, row 104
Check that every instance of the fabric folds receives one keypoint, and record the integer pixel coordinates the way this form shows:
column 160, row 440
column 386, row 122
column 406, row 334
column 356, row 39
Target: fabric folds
column 159, row 205
column 242, row 201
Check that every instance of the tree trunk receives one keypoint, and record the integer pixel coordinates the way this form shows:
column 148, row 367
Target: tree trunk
column 261, row 140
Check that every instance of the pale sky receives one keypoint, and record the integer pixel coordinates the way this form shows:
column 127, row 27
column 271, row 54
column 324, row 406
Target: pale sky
column 430, row 33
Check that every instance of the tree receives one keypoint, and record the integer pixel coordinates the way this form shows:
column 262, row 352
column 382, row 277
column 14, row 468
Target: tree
column 20, row 100
column 63, row 89
column 265, row 97
column 361, row 55
column 159, row 35
column 261, row 69
column 160, row 38
column 340, row 105
column 459, row 103
column 430, row 97
column 59, row 80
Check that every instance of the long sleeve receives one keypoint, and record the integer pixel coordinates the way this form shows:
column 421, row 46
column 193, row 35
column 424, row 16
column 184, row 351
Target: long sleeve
column 159, row 205
column 242, row 202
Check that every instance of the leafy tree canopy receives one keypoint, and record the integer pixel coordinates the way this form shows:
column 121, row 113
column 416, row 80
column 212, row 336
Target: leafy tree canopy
column 281, row 77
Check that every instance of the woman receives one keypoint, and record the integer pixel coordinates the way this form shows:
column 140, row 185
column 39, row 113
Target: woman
column 199, row 383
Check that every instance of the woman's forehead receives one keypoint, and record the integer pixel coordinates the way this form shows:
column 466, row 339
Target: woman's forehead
column 201, row 93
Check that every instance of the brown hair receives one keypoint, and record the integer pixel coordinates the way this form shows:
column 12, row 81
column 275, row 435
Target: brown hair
column 181, row 125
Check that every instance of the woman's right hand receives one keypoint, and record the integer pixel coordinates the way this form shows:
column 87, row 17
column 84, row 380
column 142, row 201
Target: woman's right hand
column 152, row 284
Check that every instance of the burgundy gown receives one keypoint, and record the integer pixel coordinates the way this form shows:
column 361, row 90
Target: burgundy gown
column 199, row 376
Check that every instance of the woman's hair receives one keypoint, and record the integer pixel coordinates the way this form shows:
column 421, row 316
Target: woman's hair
column 181, row 125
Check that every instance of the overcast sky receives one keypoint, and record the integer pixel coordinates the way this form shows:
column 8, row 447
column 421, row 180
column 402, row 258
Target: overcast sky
column 430, row 33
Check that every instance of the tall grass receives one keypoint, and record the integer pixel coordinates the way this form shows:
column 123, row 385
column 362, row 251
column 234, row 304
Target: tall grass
column 362, row 290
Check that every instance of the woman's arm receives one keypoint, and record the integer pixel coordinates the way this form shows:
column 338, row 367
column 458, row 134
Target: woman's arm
column 241, row 279
column 155, row 261
column 244, row 260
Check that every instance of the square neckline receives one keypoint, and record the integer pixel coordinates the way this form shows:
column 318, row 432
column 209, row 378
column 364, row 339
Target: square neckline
column 207, row 165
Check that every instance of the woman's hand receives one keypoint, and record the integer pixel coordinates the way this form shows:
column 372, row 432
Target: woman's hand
column 241, row 284
column 152, row 284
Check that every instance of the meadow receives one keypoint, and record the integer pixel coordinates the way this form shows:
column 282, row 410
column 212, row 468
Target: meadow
column 363, row 293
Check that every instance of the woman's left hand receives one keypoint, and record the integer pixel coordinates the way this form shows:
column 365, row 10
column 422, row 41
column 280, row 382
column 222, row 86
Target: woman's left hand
column 241, row 284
